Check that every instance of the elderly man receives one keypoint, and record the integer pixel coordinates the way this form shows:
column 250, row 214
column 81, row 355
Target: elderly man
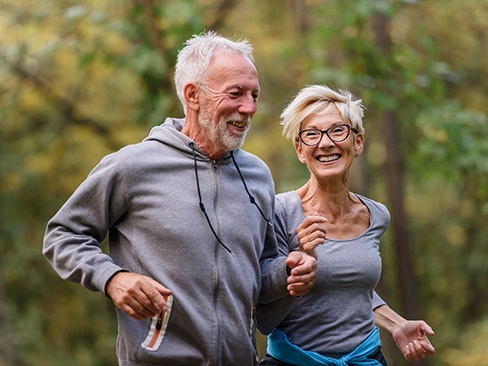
column 192, row 248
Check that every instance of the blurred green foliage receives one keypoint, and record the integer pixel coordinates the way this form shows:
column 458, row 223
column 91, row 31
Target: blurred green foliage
column 80, row 79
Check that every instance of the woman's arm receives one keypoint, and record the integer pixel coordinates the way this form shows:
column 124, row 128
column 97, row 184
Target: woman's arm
column 409, row 335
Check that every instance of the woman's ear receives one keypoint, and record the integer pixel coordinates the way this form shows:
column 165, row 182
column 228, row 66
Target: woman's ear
column 299, row 151
column 191, row 93
column 358, row 144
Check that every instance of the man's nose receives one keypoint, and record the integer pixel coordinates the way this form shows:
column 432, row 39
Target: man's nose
column 249, row 105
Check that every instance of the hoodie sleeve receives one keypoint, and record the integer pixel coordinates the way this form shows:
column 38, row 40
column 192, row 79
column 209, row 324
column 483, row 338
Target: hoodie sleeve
column 73, row 236
column 273, row 266
column 272, row 310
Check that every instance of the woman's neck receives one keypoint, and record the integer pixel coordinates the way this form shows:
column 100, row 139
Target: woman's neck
column 330, row 199
column 347, row 217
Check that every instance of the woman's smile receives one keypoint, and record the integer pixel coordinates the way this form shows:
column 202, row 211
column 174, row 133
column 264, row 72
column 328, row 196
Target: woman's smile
column 328, row 158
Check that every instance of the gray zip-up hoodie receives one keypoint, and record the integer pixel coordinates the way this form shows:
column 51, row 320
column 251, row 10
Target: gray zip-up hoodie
column 145, row 198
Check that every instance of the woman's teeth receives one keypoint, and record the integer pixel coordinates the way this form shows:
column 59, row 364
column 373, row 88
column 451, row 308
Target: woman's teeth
column 328, row 158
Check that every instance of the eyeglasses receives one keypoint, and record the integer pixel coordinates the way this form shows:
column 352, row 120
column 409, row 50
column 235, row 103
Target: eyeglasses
column 336, row 133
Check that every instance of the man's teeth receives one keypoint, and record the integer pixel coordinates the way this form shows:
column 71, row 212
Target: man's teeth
column 239, row 124
column 328, row 158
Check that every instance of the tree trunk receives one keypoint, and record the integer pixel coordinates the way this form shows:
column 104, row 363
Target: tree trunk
column 6, row 358
column 399, row 223
column 406, row 278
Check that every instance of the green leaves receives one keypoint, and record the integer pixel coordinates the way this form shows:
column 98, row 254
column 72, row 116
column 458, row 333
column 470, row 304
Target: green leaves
column 454, row 140
column 80, row 80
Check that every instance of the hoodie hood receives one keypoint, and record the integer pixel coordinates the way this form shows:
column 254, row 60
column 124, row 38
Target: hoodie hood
column 169, row 133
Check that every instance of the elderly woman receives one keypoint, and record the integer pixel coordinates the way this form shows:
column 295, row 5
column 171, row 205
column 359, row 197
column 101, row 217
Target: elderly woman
column 336, row 322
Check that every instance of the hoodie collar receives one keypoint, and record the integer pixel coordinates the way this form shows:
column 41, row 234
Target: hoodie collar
column 169, row 133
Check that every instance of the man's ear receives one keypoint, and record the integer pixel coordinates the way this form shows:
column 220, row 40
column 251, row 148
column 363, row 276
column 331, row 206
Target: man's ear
column 191, row 93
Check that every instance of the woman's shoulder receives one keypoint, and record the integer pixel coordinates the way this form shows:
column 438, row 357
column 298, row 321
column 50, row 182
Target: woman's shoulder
column 288, row 205
column 370, row 202
column 288, row 199
column 376, row 208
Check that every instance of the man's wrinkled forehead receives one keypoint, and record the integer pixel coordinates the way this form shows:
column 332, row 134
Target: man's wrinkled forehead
column 233, row 70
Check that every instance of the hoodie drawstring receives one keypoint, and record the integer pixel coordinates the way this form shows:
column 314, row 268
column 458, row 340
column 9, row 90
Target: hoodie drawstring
column 202, row 206
column 200, row 203
column 251, row 198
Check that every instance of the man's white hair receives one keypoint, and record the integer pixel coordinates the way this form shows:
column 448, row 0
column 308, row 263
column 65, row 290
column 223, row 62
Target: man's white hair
column 194, row 58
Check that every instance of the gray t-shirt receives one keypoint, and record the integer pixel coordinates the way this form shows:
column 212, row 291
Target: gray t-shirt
column 337, row 314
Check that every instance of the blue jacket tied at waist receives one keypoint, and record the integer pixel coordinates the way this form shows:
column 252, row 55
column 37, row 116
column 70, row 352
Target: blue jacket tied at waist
column 282, row 349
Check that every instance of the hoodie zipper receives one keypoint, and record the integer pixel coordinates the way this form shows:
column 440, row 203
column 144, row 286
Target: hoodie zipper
column 158, row 327
column 159, row 324
column 217, row 266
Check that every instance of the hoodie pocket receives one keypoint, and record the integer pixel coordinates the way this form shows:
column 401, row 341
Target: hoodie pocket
column 252, row 333
column 158, row 327
column 252, row 325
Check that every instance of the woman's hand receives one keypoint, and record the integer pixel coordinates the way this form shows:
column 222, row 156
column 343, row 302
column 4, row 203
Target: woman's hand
column 411, row 339
column 311, row 233
column 409, row 335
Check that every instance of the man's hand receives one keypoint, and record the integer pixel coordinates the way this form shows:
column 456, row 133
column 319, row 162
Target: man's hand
column 311, row 233
column 411, row 339
column 303, row 273
column 138, row 296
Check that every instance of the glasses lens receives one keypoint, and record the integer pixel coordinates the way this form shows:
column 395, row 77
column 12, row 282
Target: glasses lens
column 338, row 133
column 310, row 137
column 313, row 136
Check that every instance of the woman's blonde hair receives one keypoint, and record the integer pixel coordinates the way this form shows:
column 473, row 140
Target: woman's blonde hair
column 313, row 99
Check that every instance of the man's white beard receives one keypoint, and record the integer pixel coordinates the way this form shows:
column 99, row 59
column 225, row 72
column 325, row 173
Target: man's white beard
column 220, row 135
